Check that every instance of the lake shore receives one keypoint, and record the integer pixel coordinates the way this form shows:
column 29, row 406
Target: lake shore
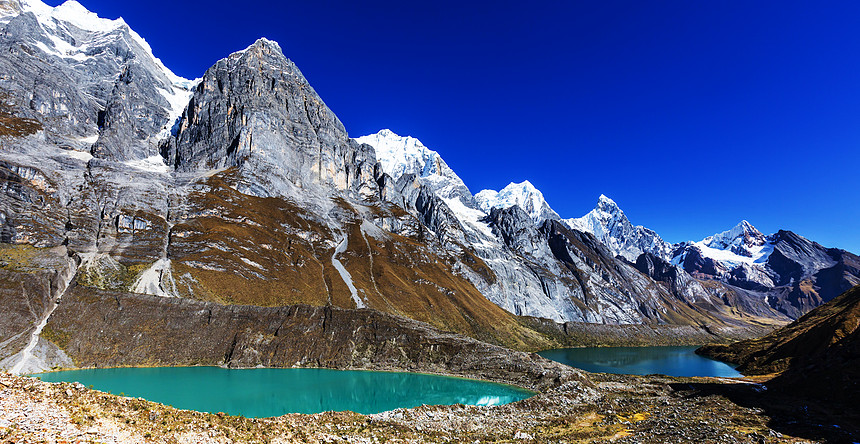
column 620, row 408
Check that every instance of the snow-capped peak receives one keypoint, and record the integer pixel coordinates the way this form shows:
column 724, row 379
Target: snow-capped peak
column 742, row 240
column 523, row 194
column 72, row 32
column 56, row 22
column 73, row 13
column 401, row 155
column 610, row 225
column 604, row 200
column 742, row 233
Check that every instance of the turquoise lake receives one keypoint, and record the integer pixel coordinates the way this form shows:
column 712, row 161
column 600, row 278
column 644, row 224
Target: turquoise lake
column 672, row 361
column 268, row 392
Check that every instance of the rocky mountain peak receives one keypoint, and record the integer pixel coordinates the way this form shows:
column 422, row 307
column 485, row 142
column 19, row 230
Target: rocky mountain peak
column 522, row 194
column 606, row 204
column 743, row 239
column 261, row 48
column 256, row 111
column 608, row 223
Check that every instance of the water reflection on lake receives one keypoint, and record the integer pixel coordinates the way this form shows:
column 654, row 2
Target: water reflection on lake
column 673, row 361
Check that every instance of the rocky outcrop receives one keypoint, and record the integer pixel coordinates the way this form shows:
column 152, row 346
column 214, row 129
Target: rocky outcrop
column 135, row 112
column 31, row 283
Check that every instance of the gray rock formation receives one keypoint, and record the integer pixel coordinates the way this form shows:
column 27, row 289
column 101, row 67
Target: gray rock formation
column 255, row 111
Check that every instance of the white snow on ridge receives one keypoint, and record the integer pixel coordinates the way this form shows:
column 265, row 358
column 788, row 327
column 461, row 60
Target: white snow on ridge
column 469, row 216
column 760, row 254
column 153, row 164
column 402, row 155
column 56, row 20
column 73, row 13
column 523, row 194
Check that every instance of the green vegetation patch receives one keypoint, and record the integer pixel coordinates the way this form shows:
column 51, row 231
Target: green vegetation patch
column 108, row 274
column 59, row 337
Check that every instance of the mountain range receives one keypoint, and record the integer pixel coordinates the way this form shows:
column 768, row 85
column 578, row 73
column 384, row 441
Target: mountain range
column 243, row 189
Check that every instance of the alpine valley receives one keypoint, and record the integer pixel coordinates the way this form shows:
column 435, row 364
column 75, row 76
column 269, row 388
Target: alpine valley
column 148, row 219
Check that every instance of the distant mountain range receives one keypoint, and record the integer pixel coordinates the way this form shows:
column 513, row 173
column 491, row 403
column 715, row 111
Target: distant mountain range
column 783, row 272
column 242, row 188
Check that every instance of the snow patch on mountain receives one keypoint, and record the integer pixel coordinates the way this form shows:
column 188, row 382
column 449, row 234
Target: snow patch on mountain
column 743, row 244
column 758, row 255
column 522, row 194
column 153, row 164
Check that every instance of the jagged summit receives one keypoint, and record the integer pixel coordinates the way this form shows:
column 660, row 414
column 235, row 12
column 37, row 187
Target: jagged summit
column 262, row 43
column 605, row 201
column 742, row 235
column 743, row 244
column 523, row 194
column 611, row 226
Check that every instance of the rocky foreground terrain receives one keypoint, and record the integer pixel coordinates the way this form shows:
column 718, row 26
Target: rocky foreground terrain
column 606, row 408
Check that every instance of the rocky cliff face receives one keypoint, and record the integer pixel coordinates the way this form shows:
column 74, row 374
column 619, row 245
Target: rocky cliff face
column 256, row 112
column 100, row 328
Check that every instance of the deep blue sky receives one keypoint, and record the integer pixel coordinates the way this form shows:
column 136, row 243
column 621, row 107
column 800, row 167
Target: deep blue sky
column 692, row 115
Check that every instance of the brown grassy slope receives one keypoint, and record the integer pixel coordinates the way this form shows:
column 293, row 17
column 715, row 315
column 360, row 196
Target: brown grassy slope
column 406, row 278
column 239, row 249
column 831, row 329
column 818, row 356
